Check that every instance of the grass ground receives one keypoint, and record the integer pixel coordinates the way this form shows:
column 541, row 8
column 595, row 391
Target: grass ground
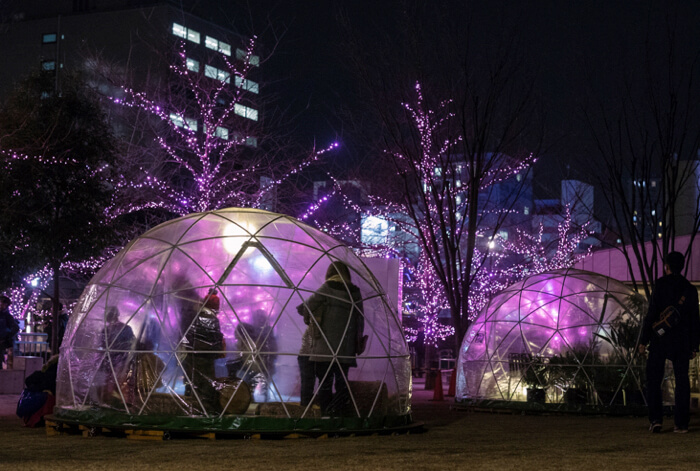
column 453, row 440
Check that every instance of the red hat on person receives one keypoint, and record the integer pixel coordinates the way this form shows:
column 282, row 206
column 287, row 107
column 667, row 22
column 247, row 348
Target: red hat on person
column 212, row 301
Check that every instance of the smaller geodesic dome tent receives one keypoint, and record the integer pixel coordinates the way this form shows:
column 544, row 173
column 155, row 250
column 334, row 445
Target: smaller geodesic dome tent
column 198, row 324
column 564, row 339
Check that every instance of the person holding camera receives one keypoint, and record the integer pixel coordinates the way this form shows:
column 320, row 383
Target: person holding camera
column 672, row 330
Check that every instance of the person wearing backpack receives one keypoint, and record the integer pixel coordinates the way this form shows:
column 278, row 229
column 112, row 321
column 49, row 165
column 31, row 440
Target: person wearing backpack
column 672, row 330
column 8, row 327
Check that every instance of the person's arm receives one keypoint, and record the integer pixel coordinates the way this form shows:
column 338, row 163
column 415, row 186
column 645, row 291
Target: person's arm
column 649, row 319
column 312, row 306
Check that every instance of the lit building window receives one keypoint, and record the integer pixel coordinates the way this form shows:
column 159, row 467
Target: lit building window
column 192, row 65
column 458, row 199
column 438, row 171
column 660, row 235
column 526, row 210
column 193, row 36
column 218, row 74
column 215, row 44
column 179, row 31
column 211, row 43
column 48, row 65
column 661, row 223
column 653, row 183
column 246, row 84
column 245, row 111
column 374, row 230
column 225, row 48
column 48, row 38
column 653, row 212
column 241, row 55
column 191, row 124
column 181, row 122
column 221, row 132
column 458, row 183
column 177, row 120
column 518, row 177
column 223, row 76
column 186, row 33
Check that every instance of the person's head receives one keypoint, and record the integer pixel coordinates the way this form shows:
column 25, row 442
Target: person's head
column 111, row 314
column 340, row 269
column 674, row 262
column 212, row 300
column 259, row 318
column 5, row 301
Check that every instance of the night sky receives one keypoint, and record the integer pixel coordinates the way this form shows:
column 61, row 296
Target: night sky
column 578, row 51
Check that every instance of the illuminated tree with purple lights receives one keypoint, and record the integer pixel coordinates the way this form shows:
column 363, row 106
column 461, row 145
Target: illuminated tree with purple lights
column 210, row 151
column 445, row 206
column 444, row 181
column 431, row 302
column 528, row 254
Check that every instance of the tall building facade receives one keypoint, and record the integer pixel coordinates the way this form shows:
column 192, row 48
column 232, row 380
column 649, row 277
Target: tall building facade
column 122, row 42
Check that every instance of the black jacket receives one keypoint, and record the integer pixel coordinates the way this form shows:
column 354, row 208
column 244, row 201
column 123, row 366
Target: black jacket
column 685, row 337
column 8, row 329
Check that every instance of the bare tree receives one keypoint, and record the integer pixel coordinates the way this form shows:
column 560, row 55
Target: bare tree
column 648, row 141
column 466, row 134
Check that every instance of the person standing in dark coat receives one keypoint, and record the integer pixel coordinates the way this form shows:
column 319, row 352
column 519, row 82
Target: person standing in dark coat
column 204, row 345
column 8, row 327
column 338, row 311
column 679, row 343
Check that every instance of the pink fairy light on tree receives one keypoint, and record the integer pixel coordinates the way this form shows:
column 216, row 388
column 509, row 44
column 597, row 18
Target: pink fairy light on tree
column 209, row 146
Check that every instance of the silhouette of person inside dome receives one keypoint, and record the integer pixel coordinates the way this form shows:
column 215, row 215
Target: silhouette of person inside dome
column 257, row 343
column 117, row 340
column 204, row 344
column 336, row 330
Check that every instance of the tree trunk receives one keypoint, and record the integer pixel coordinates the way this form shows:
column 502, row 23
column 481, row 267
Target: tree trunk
column 55, row 267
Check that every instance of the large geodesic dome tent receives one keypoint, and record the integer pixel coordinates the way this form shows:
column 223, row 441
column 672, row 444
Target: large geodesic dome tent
column 564, row 339
column 198, row 324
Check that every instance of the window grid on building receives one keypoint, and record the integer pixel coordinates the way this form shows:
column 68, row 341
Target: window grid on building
column 187, row 123
column 241, row 56
column 245, row 111
column 192, row 65
column 186, row 33
column 215, row 44
column 247, row 85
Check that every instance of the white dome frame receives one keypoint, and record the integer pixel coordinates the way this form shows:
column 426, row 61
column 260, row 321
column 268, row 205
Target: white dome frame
column 262, row 266
column 565, row 339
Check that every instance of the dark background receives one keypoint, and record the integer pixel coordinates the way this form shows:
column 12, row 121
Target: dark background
column 580, row 54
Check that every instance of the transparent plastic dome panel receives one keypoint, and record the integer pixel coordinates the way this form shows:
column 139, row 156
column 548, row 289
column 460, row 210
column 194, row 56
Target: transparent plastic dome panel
column 557, row 331
column 199, row 317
